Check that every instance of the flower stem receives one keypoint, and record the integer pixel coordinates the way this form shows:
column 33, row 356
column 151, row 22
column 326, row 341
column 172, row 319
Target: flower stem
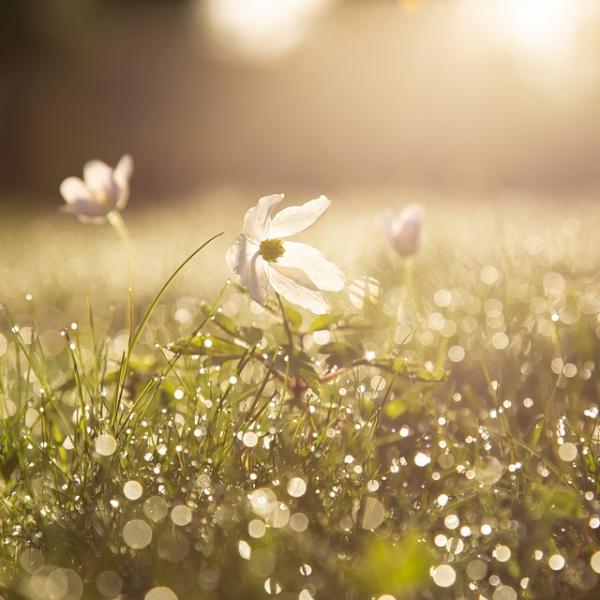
column 286, row 324
column 298, row 386
column 116, row 220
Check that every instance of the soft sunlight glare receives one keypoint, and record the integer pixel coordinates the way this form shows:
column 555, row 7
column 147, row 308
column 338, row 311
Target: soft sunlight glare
column 261, row 29
column 540, row 24
column 536, row 27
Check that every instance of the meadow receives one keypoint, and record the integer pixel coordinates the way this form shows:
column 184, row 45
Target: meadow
column 436, row 435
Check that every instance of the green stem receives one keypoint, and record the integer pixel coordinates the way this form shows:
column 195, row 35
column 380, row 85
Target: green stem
column 116, row 220
column 135, row 337
column 164, row 288
column 286, row 324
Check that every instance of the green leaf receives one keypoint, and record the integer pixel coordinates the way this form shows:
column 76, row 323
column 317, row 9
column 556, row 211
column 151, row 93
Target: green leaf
column 307, row 373
column 394, row 363
column 226, row 323
column 142, row 364
column 395, row 408
column 340, row 354
column 251, row 335
column 534, row 438
column 208, row 345
column 392, row 568
column 322, row 322
column 8, row 463
column 554, row 501
column 293, row 316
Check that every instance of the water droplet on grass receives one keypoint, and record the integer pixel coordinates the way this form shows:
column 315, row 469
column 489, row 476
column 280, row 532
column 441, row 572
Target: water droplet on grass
column 105, row 444
column 137, row 534
column 444, row 575
column 556, row 562
column 296, row 487
column 501, row 553
column 567, row 452
column 155, row 508
column 181, row 515
column 133, row 490
column 109, row 583
column 160, row 593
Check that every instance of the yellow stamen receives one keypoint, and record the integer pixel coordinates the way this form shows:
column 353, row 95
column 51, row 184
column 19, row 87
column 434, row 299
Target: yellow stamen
column 271, row 250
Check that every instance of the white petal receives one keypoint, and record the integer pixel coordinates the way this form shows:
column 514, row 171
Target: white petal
column 413, row 212
column 73, row 189
column 97, row 175
column 232, row 257
column 294, row 219
column 324, row 274
column 258, row 218
column 86, row 208
column 124, row 170
column 406, row 230
column 254, row 277
column 122, row 198
column 122, row 175
column 100, row 180
column 243, row 258
column 240, row 253
column 296, row 293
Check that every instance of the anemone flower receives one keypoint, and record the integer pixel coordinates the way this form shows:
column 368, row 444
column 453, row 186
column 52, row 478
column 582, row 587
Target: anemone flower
column 102, row 190
column 403, row 231
column 264, row 261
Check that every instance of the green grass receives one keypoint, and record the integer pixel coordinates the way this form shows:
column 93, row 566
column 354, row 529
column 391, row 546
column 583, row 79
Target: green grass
column 446, row 429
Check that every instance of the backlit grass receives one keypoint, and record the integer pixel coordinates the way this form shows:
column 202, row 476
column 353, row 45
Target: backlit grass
column 436, row 436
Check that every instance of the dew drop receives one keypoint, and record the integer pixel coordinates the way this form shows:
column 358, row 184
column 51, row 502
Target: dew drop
column 444, row 575
column 505, row 592
column 244, row 549
column 452, row 521
column 567, row 452
column 133, row 490
column 298, row 522
column 181, row 515
column 105, row 444
column 501, row 553
column 109, row 583
column 155, row 508
column 421, row 459
column 250, row 439
column 476, row 569
column 278, row 517
column 160, row 593
column 256, row 528
column 137, row 534
column 595, row 561
column 556, row 562
column 296, row 487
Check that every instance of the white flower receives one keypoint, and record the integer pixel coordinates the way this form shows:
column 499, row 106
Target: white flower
column 102, row 190
column 403, row 231
column 297, row 272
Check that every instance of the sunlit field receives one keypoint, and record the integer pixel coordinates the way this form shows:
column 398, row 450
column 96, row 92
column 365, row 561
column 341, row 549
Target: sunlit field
column 435, row 435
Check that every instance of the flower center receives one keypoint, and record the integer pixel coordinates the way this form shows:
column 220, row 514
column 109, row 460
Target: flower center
column 271, row 250
column 101, row 197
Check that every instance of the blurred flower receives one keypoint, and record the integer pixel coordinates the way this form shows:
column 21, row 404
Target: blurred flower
column 102, row 190
column 403, row 231
column 296, row 271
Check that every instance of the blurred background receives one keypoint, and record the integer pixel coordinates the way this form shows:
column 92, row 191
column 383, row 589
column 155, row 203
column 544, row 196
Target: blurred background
column 315, row 95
